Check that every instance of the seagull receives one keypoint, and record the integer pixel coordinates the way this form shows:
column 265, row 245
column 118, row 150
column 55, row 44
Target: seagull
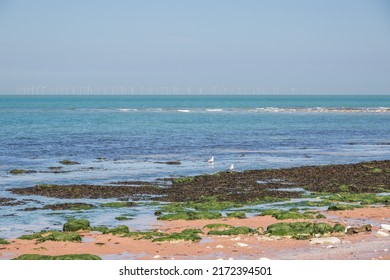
column 211, row 160
column 231, row 168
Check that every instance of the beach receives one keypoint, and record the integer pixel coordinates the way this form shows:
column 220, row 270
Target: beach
column 341, row 212
column 361, row 246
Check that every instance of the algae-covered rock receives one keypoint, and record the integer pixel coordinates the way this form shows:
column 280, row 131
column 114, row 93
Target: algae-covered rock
column 238, row 215
column 3, row 241
column 290, row 214
column 341, row 207
column 60, row 236
column 123, row 218
column 69, row 162
column 137, row 235
column 75, row 225
column 122, row 229
column 21, row 171
column 363, row 228
column 233, row 231
column 185, row 235
column 338, row 228
column 191, row 215
column 298, row 230
column 217, row 226
column 102, row 229
column 61, row 257
column 119, row 204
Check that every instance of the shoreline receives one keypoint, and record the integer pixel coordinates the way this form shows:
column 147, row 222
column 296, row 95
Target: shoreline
column 352, row 188
column 360, row 246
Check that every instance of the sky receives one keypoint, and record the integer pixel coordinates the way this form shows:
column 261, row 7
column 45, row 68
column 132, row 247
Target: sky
column 283, row 46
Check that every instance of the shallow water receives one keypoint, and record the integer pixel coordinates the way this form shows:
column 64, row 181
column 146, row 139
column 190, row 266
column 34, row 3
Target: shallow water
column 133, row 133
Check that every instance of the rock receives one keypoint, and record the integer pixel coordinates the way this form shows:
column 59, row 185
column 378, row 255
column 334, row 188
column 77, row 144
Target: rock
column 363, row 228
column 381, row 233
column 325, row 240
column 219, row 246
column 385, row 227
column 242, row 245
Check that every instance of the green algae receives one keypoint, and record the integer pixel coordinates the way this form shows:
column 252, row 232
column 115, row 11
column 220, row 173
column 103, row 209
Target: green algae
column 20, row 171
column 149, row 235
column 338, row 228
column 342, row 207
column 75, row 225
column 186, row 235
column 52, row 236
column 102, row 229
column 233, row 231
column 299, row 230
column 61, row 257
column 290, row 214
column 68, row 162
column 217, row 226
column 362, row 198
column 118, row 204
column 123, row 218
column 237, row 215
column 122, row 229
column 3, row 241
column 191, row 215
column 182, row 180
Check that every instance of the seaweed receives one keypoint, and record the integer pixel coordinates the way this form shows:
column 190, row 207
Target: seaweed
column 185, row 235
column 119, row 204
column 299, row 230
column 233, row 231
column 75, row 225
column 60, row 257
column 191, row 215
column 3, row 241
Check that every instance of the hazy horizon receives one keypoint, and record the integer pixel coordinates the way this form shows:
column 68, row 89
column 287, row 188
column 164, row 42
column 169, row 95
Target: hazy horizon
column 280, row 47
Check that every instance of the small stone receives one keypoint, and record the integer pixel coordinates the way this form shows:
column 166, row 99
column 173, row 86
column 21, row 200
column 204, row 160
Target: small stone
column 235, row 238
column 325, row 240
column 156, row 257
column 381, row 233
column 242, row 245
column 385, row 227
column 219, row 246
column 329, row 247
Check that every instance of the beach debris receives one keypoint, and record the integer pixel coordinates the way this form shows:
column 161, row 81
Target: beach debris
column 325, row 240
column 354, row 230
column 242, row 245
column 381, row 233
column 385, row 227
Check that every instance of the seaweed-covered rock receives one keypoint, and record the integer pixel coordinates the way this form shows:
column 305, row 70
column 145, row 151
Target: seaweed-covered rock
column 119, row 204
column 237, row 214
column 69, row 162
column 363, row 228
column 21, row 171
column 191, row 215
column 299, row 230
column 3, row 241
column 61, row 257
column 75, row 225
column 233, row 231
column 185, row 235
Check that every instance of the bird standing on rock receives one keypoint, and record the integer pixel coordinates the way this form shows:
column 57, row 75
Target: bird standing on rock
column 211, row 160
column 231, row 168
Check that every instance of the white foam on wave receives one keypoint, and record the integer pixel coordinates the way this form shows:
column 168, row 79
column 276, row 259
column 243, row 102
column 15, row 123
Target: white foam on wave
column 183, row 111
column 214, row 110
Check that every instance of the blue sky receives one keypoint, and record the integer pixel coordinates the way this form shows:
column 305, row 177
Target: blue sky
column 333, row 46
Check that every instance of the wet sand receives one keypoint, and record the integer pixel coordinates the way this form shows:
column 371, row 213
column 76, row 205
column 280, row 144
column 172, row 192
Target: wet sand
column 361, row 246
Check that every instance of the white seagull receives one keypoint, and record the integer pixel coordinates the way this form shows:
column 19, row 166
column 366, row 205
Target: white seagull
column 211, row 160
column 231, row 168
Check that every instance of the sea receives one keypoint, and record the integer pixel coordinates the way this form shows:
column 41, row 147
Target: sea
column 129, row 138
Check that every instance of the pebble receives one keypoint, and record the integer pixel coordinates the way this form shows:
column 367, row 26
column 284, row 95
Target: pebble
column 156, row 256
column 381, row 233
column 325, row 240
column 236, row 238
column 385, row 227
column 242, row 245
column 219, row 246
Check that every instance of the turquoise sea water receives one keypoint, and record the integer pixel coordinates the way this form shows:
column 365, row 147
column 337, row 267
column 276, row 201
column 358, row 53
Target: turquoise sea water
column 132, row 133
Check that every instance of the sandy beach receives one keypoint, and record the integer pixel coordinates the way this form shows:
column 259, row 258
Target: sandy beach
column 361, row 246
